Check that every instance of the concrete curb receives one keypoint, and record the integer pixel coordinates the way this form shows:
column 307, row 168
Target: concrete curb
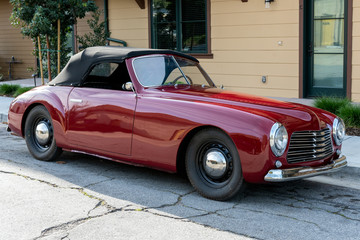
column 352, row 172
column 3, row 118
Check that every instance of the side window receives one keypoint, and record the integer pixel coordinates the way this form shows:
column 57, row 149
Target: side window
column 104, row 69
column 107, row 76
column 151, row 71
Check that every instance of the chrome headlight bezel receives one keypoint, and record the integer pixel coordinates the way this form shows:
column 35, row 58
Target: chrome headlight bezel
column 338, row 131
column 278, row 139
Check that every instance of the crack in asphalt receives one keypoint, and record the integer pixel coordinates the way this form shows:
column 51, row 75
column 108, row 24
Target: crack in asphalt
column 67, row 226
column 282, row 215
column 95, row 183
column 311, row 208
column 74, row 223
column 65, row 237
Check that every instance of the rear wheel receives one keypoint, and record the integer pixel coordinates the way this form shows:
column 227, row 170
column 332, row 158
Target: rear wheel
column 213, row 165
column 39, row 135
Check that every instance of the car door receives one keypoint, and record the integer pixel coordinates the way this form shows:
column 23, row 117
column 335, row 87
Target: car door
column 101, row 113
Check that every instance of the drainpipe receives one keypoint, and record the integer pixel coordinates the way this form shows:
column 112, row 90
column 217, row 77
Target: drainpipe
column 106, row 16
column 106, row 19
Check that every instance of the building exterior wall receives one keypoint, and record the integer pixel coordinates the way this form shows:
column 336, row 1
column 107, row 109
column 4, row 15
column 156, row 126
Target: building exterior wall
column 244, row 43
column 129, row 23
column 82, row 25
column 12, row 43
column 355, row 87
column 247, row 42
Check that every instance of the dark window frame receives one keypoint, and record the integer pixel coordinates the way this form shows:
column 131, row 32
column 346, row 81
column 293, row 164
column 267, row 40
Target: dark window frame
column 107, row 82
column 348, row 50
column 208, row 53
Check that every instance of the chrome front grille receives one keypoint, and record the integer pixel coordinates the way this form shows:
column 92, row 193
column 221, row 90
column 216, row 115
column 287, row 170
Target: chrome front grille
column 308, row 146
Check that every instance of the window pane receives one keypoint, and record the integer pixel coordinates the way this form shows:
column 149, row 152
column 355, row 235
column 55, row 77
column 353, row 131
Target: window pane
column 164, row 24
column 104, row 69
column 157, row 71
column 175, row 77
column 329, row 9
column 165, row 36
column 329, row 35
column 194, row 37
column 164, row 11
column 328, row 70
column 193, row 10
column 192, row 72
column 160, row 70
column 179, row 25
column 150, row 71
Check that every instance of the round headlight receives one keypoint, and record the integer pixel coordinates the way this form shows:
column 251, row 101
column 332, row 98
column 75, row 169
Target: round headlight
column 278, row 139
column 338, row 131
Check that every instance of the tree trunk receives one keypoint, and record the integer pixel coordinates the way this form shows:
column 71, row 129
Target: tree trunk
column 40, row 62
column 48, row 57
column 59, row 63
column 76, row 48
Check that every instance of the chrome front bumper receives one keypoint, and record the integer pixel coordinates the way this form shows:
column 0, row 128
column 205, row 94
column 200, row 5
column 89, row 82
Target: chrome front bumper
column 282, row 175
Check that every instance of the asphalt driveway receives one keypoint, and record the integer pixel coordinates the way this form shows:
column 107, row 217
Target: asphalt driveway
column 83, row 197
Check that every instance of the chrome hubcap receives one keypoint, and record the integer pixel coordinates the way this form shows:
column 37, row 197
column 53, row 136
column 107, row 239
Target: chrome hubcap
column 215, row 164
column 42, row 133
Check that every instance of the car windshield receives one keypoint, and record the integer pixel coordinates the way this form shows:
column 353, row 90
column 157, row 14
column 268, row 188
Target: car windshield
column 155, row 71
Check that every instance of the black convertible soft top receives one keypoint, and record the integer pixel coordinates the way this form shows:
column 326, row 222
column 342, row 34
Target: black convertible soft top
column 78, row 65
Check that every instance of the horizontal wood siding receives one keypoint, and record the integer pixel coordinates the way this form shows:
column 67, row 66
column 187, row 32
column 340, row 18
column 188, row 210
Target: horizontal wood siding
column 12, row 43
column 245, row 43
column 129, row 23
column 356, row 52
column 82, row 25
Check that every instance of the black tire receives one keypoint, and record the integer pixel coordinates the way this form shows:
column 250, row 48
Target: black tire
column 45, row 151
column 222, row 187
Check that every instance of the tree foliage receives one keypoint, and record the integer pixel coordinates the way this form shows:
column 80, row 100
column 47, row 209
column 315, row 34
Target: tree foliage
column 39, row 18
column 98, row 36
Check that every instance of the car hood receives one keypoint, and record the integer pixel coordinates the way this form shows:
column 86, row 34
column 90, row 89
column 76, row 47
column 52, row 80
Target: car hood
column 297, row 116
column 219, row 95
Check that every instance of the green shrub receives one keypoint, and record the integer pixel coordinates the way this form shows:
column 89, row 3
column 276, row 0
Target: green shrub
column 351, row 115
column 331, row 104
column 8, row 89
column 13, row 90
column 21, row 91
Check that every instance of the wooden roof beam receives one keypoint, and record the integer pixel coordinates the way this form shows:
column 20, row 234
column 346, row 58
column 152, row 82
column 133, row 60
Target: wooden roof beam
column 141, row 3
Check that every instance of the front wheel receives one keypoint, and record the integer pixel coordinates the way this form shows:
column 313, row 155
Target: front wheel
column 39, row 135
column 213, row 165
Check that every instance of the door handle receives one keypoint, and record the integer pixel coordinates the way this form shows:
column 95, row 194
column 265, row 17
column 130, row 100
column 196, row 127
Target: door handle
column 76, row 100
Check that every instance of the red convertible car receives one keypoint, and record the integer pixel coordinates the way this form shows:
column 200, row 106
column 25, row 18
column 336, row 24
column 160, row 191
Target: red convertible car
column 159, row 108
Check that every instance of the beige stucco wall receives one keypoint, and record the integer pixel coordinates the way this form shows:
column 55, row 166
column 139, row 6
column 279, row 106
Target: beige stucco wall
column 12, row 43
column 356, row 52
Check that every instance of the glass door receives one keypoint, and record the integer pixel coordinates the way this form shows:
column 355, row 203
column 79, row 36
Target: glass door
column 325, row 48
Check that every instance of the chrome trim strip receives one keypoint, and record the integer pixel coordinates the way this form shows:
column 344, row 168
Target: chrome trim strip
column 307, row 146
column 282, row 175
